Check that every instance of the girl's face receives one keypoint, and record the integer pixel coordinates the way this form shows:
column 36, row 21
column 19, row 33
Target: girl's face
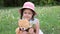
column 27, row 14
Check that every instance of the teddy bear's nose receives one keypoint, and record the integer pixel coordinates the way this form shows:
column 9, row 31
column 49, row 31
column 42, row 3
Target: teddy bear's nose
column 22, row 28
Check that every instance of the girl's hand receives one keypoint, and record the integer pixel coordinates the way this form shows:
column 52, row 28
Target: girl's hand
column 31, row 30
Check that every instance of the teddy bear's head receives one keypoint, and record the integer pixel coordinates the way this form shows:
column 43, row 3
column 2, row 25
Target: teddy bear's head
column 24, row 24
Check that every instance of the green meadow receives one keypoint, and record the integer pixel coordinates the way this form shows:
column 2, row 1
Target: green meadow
column 49, row 18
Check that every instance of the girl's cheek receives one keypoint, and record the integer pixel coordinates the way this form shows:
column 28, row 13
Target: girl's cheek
column 24, row 14
column 30, row 16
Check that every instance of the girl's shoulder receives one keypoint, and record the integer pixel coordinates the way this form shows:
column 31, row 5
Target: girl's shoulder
column 35, row 21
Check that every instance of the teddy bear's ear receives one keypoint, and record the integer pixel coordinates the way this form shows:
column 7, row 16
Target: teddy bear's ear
column 19, row 22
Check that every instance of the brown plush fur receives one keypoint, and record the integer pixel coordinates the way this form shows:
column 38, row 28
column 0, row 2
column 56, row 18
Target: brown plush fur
column 18, row 31
column 24, row 24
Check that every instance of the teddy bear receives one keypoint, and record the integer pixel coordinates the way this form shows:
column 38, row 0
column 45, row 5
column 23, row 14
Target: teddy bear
column 24, row 25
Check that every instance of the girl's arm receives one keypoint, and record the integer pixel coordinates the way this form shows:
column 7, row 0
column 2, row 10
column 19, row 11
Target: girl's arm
column 37, row 27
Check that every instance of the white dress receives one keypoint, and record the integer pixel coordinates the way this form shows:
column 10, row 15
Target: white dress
column 34, row 22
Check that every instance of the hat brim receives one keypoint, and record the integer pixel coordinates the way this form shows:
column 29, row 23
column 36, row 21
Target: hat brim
column 21, row 10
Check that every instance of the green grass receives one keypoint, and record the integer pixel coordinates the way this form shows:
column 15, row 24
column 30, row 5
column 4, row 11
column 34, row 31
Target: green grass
column 49, row 18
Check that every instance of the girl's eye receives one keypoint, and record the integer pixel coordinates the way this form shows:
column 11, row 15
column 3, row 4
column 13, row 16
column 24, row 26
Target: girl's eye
column 29, row 13
column 25, row 13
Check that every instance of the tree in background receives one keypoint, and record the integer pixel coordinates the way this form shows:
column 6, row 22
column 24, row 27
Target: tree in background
column 1, row 2
column 16, row 3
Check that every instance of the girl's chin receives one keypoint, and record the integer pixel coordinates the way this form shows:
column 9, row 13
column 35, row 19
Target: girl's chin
column 27, row 18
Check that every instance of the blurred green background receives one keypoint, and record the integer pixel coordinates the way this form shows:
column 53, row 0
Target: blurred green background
column 48, row 13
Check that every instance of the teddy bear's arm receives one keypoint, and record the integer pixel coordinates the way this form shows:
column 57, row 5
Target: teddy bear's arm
column 17, row 30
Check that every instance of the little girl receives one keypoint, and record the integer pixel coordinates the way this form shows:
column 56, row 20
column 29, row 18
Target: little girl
column 27, row 12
